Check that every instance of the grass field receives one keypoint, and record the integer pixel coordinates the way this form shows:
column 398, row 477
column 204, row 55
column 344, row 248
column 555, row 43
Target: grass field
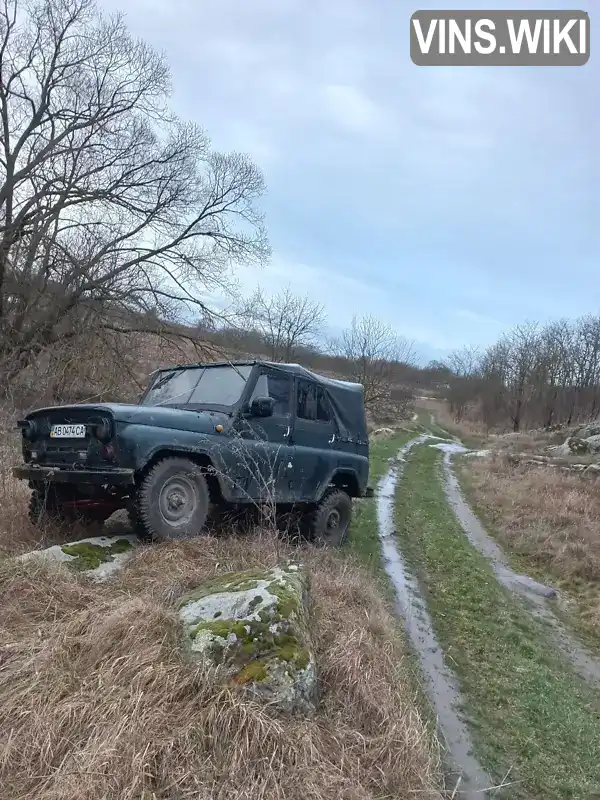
column 97, row 698
column 532, row 719
column 548, row 522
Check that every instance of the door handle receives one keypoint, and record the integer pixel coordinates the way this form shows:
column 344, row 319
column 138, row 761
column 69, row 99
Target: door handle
column 287, row 431
column 332, row 440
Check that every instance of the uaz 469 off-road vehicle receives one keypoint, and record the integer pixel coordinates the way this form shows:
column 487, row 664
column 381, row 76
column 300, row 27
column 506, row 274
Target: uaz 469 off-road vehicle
column 204, row 436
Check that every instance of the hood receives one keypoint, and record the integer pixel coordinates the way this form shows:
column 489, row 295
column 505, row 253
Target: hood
column 159, row 416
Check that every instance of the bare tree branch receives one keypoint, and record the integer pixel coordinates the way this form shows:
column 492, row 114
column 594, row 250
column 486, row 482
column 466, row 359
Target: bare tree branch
column 108, row 201
column 285, row 321
column 372, row 350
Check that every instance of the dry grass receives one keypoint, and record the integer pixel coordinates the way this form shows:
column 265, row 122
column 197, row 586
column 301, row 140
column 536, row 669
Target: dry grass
column 548, row 518
column 97, row 699
column 474, row 433
column 466, row 430
column 16, row 534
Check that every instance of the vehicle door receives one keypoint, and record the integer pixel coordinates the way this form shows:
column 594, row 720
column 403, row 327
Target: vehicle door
column 265, row 451
column 313, row 435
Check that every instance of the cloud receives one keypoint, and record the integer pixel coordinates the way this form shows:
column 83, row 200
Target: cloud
column 473, row 316
column 350, row 108
column 449, row 201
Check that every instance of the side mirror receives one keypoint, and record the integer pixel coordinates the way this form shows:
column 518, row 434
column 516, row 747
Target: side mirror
column 262, row 407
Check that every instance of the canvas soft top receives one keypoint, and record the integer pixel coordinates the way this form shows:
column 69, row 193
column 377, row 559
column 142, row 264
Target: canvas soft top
column 347, row 398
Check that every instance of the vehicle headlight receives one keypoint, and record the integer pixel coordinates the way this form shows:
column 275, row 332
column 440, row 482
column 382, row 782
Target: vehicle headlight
column 28, row 428
column 103, row 430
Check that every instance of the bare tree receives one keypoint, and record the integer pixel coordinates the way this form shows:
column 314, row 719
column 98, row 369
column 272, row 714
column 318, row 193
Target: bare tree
column 286, row 322
column 533, row 376
column 109, row 204
column 465, row 374
column 372, row 350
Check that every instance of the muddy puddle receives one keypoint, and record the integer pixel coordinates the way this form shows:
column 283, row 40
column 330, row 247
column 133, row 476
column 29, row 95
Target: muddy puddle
column 470, row 778
column 536, row 595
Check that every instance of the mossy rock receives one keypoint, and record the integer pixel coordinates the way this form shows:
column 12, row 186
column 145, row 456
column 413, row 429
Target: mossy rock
column 98, row 556
column 89, row 556
column 254, row 626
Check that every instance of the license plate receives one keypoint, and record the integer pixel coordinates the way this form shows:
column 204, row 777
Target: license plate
column 67, row 432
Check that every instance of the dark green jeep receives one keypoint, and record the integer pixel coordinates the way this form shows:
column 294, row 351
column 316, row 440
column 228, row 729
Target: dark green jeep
column 204, row 437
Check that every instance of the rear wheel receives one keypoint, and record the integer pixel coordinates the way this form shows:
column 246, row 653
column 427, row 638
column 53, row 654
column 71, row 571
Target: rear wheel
column 172, row 500
column 330, row 521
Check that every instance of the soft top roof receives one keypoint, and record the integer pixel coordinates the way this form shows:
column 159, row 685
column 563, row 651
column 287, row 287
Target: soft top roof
column 296, row 369
column 347, row 398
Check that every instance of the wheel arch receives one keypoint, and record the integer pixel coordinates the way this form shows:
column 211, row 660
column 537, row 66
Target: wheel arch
column 344, row 479
column 216, row 488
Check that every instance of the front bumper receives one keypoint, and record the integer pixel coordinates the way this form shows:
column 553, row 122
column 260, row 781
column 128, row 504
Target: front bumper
column 97, row 477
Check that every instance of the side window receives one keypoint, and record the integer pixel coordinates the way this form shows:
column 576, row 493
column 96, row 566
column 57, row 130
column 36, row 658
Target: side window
column 279, row 387
column 312, row 403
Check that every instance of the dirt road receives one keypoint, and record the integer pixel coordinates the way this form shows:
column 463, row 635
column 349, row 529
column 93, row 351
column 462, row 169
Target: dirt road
column 514, row 693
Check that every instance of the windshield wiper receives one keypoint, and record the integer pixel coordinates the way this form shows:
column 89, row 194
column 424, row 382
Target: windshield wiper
column 237, row 370
column 166, row 378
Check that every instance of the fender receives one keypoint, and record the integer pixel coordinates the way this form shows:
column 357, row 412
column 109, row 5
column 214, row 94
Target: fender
column 340, row 473
column 202, row 451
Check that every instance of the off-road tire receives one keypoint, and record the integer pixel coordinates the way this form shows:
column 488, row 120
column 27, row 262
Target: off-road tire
column 137, row 526
column 172, row 501
column 334, row 507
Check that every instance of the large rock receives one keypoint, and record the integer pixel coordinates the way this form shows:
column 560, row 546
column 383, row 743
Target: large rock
column 591, row 429
column 593, row 443
column 99, row 557
column 560, row 450
column 254, row 626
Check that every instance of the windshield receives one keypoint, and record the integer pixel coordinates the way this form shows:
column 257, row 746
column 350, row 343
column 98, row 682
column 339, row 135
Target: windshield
column 198, row 386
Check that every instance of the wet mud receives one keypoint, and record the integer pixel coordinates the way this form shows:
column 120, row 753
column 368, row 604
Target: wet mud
column 471, row 780
column 538, row 596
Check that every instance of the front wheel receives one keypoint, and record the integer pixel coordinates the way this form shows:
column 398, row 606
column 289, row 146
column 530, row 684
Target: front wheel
column 172, row 500
column 330, row 521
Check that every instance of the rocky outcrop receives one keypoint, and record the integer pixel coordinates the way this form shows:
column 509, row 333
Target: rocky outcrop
column 578, row 444
column 586, row 431
column 253, row 626
column 99, row 557
column 560, row 450
column 593, row 443
column 527, row 459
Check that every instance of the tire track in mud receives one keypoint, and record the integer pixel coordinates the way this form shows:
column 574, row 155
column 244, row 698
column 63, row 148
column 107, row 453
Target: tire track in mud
column 441, row 685
column 536, row 595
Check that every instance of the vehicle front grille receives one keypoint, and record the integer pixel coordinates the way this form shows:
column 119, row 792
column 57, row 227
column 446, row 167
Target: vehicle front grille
column 86, row 451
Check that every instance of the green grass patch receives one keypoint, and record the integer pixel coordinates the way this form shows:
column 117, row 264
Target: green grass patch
column 363, row 539
column 427, row 420
column 88, row 556
column 530, row 714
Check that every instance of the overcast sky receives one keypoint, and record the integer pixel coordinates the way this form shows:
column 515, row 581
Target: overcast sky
column 451, row 202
